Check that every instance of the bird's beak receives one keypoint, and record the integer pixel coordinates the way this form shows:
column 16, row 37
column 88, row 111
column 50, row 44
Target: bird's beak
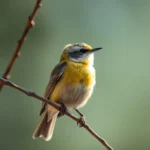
column 95, row 49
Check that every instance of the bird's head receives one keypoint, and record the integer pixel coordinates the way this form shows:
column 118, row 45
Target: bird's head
column 79, row 53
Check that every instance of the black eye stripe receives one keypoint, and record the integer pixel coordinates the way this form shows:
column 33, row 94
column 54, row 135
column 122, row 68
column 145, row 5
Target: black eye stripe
column 83, row 50
column 79, row 53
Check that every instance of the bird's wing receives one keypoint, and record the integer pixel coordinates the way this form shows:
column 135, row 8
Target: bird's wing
column 54, row 79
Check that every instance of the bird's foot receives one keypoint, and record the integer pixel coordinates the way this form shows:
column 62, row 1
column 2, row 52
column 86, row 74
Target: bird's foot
column 81, row 121
column 63, row 109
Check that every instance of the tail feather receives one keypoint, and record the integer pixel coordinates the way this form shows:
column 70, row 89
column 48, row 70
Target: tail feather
column 49, row 129
column 45, row 127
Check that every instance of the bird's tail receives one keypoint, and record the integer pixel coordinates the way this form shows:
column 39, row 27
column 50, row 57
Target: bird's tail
column 45, row 127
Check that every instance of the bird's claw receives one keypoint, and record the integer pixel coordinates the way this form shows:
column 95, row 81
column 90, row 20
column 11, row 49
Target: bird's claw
column 63, row 108
column 81, row 121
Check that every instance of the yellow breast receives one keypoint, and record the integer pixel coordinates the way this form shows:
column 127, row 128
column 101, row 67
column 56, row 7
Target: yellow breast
column 75, row 74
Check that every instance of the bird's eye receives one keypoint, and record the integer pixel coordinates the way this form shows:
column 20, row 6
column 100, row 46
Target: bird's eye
column 83, row 50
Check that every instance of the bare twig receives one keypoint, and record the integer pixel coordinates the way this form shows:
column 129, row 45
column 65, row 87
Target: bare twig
column 34, row 95
column 16, row 54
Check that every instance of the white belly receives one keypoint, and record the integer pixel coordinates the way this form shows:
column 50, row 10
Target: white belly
column 75, row 97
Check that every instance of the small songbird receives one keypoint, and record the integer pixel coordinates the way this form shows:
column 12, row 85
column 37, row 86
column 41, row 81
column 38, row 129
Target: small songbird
column 71, row 83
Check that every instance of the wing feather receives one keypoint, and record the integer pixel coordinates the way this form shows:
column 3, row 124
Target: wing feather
column 54, row 79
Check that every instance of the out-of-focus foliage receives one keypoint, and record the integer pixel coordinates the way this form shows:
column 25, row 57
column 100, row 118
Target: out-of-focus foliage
column 119, row 109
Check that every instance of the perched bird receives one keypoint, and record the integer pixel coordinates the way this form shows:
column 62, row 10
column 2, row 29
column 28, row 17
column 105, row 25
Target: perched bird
column 71, row 83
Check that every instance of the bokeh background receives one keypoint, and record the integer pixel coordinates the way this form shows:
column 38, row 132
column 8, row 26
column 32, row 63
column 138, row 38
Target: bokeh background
column 119, row 109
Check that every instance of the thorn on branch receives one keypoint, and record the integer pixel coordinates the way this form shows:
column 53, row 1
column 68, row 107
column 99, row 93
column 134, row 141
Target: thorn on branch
column 8, row 76
column 40, row 5
column 18, row 54
column 32, row 23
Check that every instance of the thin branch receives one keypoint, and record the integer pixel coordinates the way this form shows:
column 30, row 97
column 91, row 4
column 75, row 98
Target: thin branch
column 16, row 53
column 34, row 95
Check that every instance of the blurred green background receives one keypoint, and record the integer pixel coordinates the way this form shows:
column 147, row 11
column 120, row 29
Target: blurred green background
column 119, row 109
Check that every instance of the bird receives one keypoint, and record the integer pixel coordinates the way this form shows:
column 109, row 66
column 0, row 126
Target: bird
column 71, row 83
